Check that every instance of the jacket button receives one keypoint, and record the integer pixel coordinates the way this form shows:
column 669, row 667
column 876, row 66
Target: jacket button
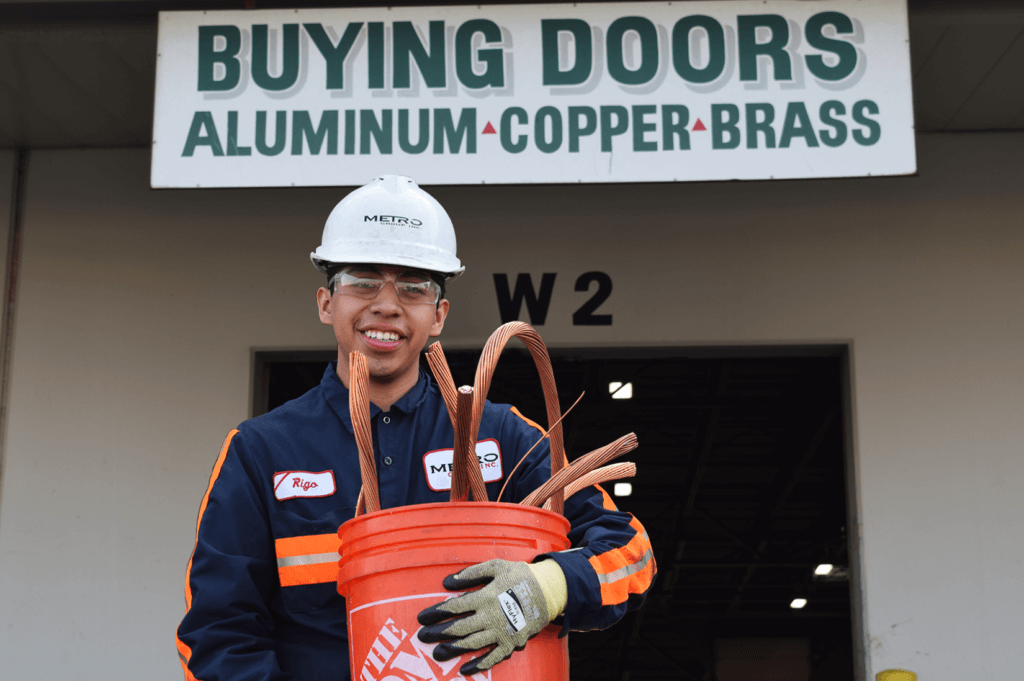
column 387, row 460
column 387, row 419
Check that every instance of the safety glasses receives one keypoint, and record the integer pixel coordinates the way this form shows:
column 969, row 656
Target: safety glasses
column 367, row 282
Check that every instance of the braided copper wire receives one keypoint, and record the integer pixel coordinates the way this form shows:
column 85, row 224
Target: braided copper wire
column 471, row 463
column 443, row 376
column 468, row 474
column 359, row 408
column 460, row 473
column 464, row 461
column 508, row 478
column 578, row 469
column 616, row 471
column 482, row 383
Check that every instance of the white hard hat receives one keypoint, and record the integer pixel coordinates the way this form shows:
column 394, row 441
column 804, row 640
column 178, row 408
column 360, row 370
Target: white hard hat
column 390, row 221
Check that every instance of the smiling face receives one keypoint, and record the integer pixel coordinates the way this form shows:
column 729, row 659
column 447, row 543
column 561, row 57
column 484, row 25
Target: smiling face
column 390, row 333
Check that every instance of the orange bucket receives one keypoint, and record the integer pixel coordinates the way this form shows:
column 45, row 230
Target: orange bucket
column 392, row 565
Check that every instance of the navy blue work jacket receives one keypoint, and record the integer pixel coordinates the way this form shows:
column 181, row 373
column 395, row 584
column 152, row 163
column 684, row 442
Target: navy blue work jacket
column 260, row 588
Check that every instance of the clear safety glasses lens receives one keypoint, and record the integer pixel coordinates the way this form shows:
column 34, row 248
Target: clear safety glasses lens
column 412, row 288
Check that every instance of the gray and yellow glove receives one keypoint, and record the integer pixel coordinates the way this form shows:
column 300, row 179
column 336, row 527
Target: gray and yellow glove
column 518, row 601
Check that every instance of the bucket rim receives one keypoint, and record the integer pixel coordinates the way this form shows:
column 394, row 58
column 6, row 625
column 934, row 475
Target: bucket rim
column 449, row 506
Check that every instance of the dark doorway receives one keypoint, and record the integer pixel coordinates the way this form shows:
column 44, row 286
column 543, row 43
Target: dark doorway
column 741, row 485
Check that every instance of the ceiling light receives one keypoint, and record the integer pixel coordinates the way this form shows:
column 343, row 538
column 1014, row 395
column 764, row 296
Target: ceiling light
column 622, row 489
column 823, row 569
column 620, row 391
column 798, row 603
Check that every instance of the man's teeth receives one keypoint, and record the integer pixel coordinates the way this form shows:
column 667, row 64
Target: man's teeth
column 382, row 335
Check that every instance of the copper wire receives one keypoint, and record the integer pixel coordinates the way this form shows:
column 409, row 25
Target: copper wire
column 465, row 409
column 359, row 409
column 578, row 469
column 466, row 475
column 616, row 471
column 530, row 450
column 482, row 383
column 458, row 403
column 443, row 376
column 463, row 448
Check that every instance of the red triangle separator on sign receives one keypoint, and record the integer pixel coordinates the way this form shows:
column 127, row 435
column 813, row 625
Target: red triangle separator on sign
column 489, row 129
column 698, row 126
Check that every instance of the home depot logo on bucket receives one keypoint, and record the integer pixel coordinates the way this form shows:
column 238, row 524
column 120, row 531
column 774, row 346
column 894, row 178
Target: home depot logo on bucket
column 393, row 564
column 397, row 655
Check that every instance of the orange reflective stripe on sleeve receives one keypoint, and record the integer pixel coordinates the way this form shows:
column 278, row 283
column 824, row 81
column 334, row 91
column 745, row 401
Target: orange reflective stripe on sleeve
column 625, row 571
column 184, row 652
column 202, row 509
column 533, row 423
column 184, row 655
column 529, row 421
column 606, row 501
column 312, row 559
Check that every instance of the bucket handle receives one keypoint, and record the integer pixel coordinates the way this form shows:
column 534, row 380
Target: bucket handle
column 482, row 383
column 359, row 409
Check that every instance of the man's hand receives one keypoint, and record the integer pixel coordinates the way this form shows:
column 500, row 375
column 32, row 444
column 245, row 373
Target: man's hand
column 513, row 607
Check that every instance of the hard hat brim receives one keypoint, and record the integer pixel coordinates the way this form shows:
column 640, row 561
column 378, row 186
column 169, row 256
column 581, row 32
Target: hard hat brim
column 325, row 264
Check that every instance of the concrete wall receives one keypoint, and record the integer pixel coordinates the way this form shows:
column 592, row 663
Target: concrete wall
column 7, row 159
column 7, row 170
column 138, row 311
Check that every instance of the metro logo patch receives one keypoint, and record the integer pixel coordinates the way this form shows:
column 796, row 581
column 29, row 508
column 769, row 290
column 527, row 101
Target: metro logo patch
column 437, row 465
column 292, row 484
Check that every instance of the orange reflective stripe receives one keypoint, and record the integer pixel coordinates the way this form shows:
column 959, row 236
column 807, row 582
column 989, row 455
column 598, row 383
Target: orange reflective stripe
column 311, row 559
column 613, row 560
column 202, row 509
column 184, row 652
column 529, row 421
column 536, row 425
column 184, row 668
column 619, row 591
column 627, row 570
column 606, row 500
column 184, row 655
column 313, row 543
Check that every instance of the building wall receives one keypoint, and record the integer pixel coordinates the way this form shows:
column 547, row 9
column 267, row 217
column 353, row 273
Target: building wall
column 7, row 170
column 7, row 158
column 139, row 309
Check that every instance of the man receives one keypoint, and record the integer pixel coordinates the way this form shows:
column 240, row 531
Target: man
column 260, row 591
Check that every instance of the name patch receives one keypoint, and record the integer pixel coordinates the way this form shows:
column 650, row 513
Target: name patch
column 292, row 484
column 437, row 465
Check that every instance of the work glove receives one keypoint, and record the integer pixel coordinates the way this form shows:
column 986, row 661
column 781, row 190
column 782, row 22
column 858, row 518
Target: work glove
column 518, row 601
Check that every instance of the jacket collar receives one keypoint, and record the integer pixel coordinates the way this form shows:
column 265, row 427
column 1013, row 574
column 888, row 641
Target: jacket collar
column 336, row 395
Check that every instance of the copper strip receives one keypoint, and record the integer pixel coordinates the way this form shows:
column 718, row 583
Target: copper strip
column 616, row 471
column 443, row 376
column 482, row 383
column 463, row 447
column 359, row 408
column 578, row 469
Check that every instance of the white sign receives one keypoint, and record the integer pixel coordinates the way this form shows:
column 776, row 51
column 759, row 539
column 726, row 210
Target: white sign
column 616, row 92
